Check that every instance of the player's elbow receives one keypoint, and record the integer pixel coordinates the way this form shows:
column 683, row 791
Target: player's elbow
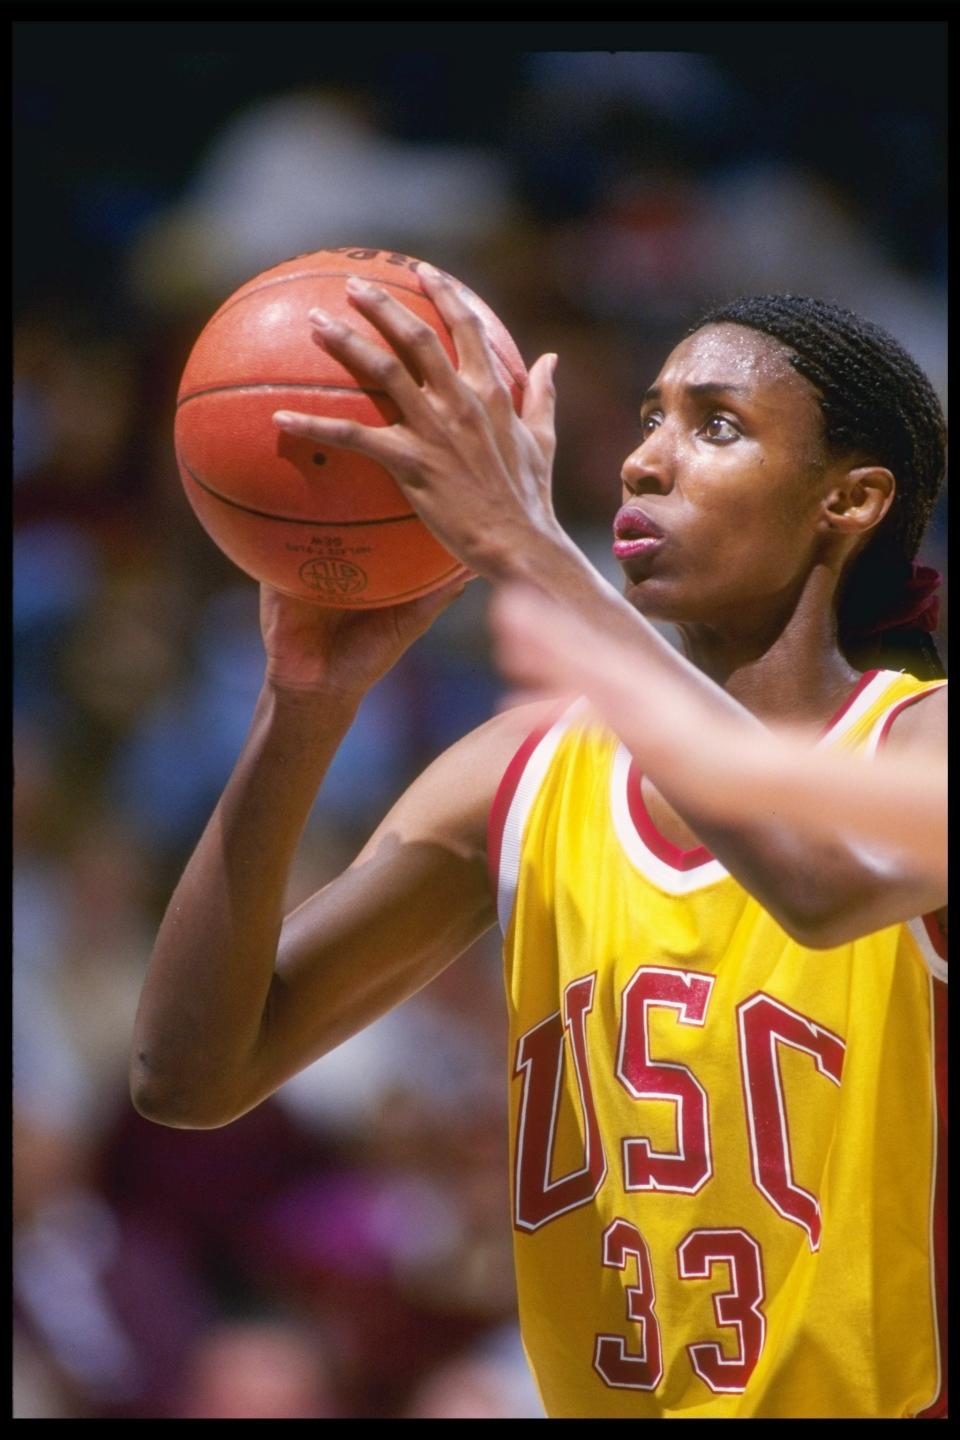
column 820, row 921
column 180, row 1117
column 841, row 904
column 179, row 1107
column 819, row 932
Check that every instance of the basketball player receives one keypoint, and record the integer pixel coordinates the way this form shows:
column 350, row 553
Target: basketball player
column 727, row 1036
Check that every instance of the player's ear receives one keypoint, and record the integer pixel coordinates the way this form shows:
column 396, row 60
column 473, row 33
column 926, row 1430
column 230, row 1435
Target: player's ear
column 858, row 500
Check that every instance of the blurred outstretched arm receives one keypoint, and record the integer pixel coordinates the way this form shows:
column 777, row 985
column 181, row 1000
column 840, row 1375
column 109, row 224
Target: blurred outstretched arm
column 717, row 768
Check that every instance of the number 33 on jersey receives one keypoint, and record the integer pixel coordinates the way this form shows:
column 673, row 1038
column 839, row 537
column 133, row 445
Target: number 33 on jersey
column 728, row 1152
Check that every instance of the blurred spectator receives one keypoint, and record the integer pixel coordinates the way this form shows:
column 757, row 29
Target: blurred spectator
column 300, row 171
column 258, row 1370
column 489, row 1381
column 816, row 247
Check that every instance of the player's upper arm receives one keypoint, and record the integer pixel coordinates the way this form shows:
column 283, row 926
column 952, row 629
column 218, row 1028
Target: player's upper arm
column 417, row 895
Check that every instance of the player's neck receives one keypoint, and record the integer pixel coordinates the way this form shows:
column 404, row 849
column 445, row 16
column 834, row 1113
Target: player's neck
column 788, row 672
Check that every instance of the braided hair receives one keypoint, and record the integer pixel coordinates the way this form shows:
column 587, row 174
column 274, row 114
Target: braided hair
column 875, row 400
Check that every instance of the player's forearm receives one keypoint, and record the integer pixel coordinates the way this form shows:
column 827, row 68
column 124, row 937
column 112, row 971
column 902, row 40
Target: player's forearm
column 822, row 887
column 561, row 571
column 895, row 803
column 796, row 827
column 202, row 1004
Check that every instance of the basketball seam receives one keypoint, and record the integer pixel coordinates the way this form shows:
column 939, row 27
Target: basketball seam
column 346, row 275
column 280, row 385
column 286, row 519
column 229, row 303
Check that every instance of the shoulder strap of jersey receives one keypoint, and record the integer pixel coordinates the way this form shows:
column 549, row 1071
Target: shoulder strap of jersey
column 881, row 727
column 512, row 802
column 872, row 707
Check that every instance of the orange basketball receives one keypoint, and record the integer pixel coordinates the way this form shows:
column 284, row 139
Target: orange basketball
column 319, row 523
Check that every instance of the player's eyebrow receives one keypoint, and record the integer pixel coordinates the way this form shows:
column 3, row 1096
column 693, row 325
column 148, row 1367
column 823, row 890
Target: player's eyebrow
column 705, row 387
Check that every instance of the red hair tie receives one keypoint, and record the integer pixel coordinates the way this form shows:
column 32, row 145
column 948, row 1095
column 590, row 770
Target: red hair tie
column 917, row 607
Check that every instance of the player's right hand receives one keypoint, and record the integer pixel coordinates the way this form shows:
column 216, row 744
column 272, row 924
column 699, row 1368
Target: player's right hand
column 315, row 649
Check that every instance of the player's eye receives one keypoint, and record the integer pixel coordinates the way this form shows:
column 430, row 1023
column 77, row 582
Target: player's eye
column 649, row 423
column 719, row 429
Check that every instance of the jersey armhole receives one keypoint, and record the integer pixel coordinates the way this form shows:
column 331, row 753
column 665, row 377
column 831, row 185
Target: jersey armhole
column 931, row 941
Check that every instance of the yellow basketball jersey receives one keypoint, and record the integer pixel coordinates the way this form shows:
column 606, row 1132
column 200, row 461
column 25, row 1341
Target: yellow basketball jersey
column 727, row 1150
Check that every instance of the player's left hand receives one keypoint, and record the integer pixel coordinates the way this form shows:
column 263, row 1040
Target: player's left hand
column 477, row 473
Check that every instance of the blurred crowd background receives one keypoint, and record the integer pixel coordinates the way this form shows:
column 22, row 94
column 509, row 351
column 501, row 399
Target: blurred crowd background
column 344, row 1250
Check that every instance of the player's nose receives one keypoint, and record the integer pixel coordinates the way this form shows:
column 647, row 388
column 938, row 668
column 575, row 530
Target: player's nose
column 648, row 469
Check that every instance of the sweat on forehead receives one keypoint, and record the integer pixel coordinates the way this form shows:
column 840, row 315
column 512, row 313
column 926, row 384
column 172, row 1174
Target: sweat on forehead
column 748, row 351
column 736, row 358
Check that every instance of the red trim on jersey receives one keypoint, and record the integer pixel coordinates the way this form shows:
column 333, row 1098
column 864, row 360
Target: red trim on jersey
column 503, row 798
column 938, row 1410
column 663, row 848
column 897, row 710
column 858, row 689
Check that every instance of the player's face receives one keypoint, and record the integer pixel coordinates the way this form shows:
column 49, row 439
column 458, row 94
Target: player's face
column 722, row 495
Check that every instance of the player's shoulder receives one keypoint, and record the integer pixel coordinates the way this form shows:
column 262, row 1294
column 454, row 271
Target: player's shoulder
column 492, row 745
column 450, row 800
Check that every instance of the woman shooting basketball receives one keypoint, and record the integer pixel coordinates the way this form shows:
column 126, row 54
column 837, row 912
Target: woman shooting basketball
column 726, row 1034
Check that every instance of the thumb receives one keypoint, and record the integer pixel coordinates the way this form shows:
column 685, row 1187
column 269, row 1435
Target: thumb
column 539, row 403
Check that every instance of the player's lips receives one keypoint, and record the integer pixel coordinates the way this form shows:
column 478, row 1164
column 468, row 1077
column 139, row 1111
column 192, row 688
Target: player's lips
column 634, row 533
